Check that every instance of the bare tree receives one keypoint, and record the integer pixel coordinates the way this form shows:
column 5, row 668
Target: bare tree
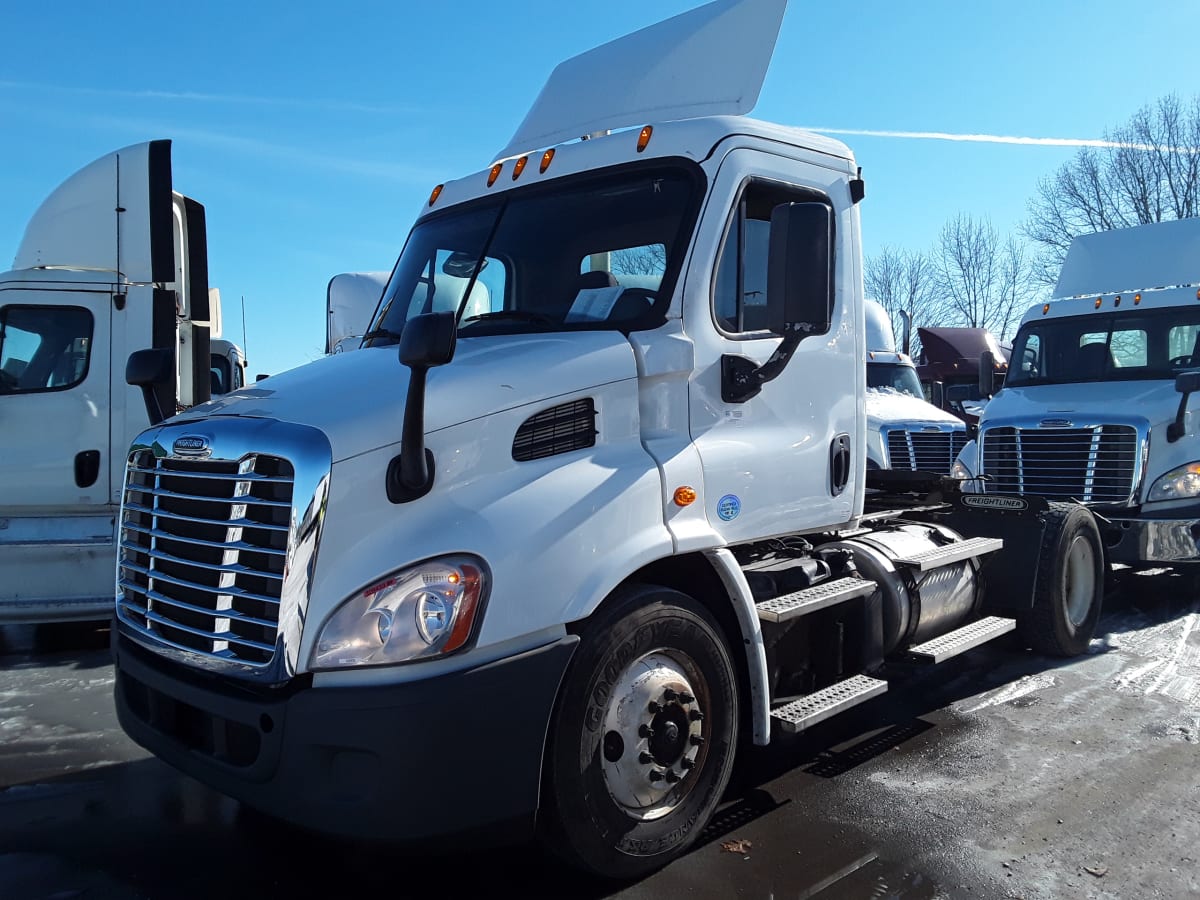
column 902, row 281
column 1149, row 173
column 984, row 282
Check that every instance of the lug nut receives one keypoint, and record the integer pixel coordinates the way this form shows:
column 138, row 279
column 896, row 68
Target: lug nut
column 672, row 778
column 686, row 763
column 656, row 775
column 645, row 731
column 669, row 695
column 645, row 759
column 654, row 707
column 696, row 716
column 696, row 740
column 685, row 698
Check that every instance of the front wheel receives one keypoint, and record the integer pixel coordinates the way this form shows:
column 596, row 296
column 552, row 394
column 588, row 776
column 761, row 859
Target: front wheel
column 643, row 738
column 1070, row 584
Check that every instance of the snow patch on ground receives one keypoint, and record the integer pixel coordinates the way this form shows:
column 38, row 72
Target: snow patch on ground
column 1019, row 688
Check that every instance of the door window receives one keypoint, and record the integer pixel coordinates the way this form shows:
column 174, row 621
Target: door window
column 43, row 348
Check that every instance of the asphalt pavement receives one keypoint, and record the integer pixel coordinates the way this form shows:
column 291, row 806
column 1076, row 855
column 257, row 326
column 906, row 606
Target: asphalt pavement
column 998, row 774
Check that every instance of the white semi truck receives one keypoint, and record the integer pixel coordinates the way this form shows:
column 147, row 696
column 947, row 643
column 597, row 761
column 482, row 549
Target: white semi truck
column 548, row 570
column 904, row 431
column 113, row 261
column 1095, row 407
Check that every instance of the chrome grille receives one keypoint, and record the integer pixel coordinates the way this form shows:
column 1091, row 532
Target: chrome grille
column 927, row 451
column 1096, row 464
column 204, row 548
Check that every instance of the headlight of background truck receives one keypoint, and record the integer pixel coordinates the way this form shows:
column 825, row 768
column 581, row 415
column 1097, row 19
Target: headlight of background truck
column 1178, row 484
column 422, row 611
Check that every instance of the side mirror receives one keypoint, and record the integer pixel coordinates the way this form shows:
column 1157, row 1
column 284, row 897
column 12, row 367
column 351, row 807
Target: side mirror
column 987, row 374
column 147, row 369
column 427, row 341
column 1186, row 383
column 937, row 394
column 800, row 269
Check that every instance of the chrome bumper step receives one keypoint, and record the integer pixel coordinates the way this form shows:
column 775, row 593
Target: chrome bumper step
column 962, row 639
column 950, row 553
column 820, row 705
column 820, row 596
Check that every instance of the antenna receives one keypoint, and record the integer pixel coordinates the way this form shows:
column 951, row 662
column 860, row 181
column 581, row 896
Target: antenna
column 245, row 346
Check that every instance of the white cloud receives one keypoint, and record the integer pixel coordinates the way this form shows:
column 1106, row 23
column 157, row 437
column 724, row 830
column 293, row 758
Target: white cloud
column 993, row 139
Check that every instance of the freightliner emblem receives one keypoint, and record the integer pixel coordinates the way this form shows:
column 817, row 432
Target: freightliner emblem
column 982, row 501
column 191, row 445
column 1055, row 423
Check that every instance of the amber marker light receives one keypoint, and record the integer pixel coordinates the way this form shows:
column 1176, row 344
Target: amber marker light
column 685, row 496
column 1137, row 299
column 495, row 173
column 1045, row 308
column 1117, row 302
column 520, row 167
column 547, row 158
column 644, row 138
column 1099, row 300
column 437, row 192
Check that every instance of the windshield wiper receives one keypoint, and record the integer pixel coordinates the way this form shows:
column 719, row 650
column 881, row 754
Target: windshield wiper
column 381, row 333
column 519, row 315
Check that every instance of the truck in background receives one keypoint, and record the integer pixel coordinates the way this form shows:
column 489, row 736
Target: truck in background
column 350, row 301
column 948, row 367
column 113, row 261
column 1095, row 407
column 545, row 567
column 904, row 431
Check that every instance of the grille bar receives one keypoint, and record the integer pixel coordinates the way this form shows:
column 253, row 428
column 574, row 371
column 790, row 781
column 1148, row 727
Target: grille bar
column 215, row 545
column 176, row 495
column 248, row 476
column 231, row 591
column 233, row 568
column 227, row 523
column 230, row 614
column 200, row 632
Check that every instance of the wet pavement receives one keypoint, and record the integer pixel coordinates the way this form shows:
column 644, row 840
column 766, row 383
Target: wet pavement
column 997, row 774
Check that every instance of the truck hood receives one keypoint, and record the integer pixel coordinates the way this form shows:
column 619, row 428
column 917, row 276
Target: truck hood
column 357, row 399
column 1156, row 401
column 886, row 407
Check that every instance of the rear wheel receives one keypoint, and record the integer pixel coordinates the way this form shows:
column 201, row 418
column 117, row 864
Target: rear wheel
column 1070, row 584
column 643, row 739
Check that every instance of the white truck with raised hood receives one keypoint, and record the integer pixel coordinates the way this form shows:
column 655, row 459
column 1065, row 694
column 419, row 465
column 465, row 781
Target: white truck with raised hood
column 113, row 261
column 904, row 431
column 548, row 570
column 1095, row 406
column 350, row 302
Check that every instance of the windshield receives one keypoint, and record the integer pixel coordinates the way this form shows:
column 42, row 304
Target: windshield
column 1116, row 347
column 596, row 251
column 894, row 377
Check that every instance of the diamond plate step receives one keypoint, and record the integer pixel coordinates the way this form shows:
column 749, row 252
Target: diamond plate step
column 951, row 553
column 962, row 639
column 815, row 707
column 827, row 593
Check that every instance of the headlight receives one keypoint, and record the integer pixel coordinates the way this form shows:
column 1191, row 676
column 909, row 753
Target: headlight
column 958, row 470
column 1178, row 484
column 423, row 611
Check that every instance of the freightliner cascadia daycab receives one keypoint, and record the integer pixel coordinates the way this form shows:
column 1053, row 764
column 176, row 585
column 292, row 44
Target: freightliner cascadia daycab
column 113, row 261
column 1095, row 405
column 586, row 513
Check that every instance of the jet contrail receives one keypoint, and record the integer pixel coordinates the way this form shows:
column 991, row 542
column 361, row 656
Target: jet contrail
column 1001, row 139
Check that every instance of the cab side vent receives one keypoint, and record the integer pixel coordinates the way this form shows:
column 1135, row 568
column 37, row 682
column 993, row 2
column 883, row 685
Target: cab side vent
column 560, row 429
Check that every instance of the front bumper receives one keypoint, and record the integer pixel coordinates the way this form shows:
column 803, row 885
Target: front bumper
column 404, row 762
column 1145, row 539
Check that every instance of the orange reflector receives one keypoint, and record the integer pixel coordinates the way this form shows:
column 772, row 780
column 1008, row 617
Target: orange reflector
column 685, row 496
column 520, row 167
column 644, row 138
column 1045, row 308
column 547, row 158
column 437, row 192
column 1198, row 295
column 1117, row 302
column 1098, row 302
column 1137, row 298
column 495, row 173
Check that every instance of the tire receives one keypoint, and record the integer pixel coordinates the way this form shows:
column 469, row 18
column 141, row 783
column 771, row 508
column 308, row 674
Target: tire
column 1069, row 590
column 643, row 737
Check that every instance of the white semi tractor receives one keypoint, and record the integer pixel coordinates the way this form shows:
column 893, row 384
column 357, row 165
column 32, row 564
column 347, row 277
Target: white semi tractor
column 112, row 262
column 549, row 569
column 904, row 431
column 1095, row 406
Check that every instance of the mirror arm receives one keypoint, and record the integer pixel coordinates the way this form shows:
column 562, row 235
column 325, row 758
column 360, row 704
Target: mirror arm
column 153, row 408
column 741, row 379
column 410, row 475
column 1176, row 429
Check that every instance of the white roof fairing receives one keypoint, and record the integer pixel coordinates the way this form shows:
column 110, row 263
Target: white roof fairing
column 1162, row 254
column 709, row 61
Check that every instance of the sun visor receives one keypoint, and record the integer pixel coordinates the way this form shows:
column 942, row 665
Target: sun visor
column 707, row 62
column 1162, row 254
column 114, row 215
column 350, row 302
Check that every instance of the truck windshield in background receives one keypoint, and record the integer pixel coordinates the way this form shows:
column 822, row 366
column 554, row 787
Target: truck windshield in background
column 594, row 252
column 1154, row 344
column 894, row 377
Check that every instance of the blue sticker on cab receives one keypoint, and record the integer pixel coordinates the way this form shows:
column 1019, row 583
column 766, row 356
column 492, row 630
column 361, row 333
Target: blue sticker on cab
column 729, row 507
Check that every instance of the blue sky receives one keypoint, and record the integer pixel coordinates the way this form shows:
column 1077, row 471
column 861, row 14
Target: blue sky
column 313, row 136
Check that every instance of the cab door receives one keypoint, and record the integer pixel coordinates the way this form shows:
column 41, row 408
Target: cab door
column 54, row 399
column 789, row 458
